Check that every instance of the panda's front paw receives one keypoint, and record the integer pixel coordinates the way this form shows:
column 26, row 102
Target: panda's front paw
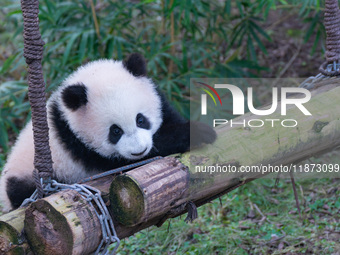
column 201, row 133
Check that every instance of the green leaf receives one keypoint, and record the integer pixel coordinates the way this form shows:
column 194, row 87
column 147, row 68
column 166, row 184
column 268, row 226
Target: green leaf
column 69, row 46
column 7, row 64
column 260, row 30
column 3, row 135
column 257, row 39
column 82, row 46
column 227, row 7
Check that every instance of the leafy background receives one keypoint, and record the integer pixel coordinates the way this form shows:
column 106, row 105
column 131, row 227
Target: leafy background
column 181, row 40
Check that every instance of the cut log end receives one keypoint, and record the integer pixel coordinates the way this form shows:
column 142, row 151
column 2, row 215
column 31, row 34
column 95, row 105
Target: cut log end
column 127, row 201
column 9, row 248
column 11, row 241
column 148, row 191
column 9, row 233
column 47, row 230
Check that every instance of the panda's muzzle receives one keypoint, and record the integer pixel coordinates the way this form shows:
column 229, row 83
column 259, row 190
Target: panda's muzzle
column 139, row 154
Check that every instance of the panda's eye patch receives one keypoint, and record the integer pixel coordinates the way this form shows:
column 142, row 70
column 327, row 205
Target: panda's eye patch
column 115, row 134
column 142, row 121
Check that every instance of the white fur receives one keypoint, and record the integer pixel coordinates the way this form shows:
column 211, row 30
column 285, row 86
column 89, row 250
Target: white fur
column 114, row 97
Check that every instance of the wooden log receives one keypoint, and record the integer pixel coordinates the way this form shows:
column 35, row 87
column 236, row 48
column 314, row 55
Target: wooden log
column 148, row 192
column 52, row 224
column 235, row 148
column 63, row 223
column 12, row 223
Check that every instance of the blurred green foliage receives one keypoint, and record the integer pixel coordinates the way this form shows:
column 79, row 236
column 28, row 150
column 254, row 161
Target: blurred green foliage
column 180, row 40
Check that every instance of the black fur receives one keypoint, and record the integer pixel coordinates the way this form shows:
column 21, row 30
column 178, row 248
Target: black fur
column 174, row 134
column 142, row 121
column 136, row 65
column 80, row 152
column 115, row 134
column 74, row 96
column 18, row 190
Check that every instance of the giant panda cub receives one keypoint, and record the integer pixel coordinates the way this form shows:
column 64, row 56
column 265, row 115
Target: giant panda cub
column 105, row 115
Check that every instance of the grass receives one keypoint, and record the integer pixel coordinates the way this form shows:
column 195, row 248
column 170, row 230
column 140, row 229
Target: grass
column 233, row 225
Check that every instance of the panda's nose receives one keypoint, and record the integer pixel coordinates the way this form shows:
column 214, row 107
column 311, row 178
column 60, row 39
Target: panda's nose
column 139, row 154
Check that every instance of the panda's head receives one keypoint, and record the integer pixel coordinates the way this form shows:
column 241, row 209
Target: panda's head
column 112, row 107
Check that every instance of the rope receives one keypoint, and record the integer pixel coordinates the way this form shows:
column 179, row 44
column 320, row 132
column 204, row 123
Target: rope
column 332, row 25
column 33, row 53
column 331, row 67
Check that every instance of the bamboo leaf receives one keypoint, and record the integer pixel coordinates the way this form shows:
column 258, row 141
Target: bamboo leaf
column 69, row 46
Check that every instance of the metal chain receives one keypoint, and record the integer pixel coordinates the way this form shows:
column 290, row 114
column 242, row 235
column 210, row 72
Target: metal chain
column 93, row 197
column 330, row 71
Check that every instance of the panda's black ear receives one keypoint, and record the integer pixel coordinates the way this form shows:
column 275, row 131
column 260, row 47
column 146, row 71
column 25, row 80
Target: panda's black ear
column 135, row 64
column 74, row 96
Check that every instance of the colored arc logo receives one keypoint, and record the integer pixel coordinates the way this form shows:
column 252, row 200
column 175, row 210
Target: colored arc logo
column 209, row 93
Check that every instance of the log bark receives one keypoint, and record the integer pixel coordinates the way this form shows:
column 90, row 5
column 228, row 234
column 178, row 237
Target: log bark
column 148, row 192
column 63, row 223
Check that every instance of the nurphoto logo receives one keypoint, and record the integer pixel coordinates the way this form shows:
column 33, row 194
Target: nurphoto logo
column 240, row 100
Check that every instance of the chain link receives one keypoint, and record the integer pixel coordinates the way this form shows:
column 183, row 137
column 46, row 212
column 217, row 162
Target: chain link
column 327, row 72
